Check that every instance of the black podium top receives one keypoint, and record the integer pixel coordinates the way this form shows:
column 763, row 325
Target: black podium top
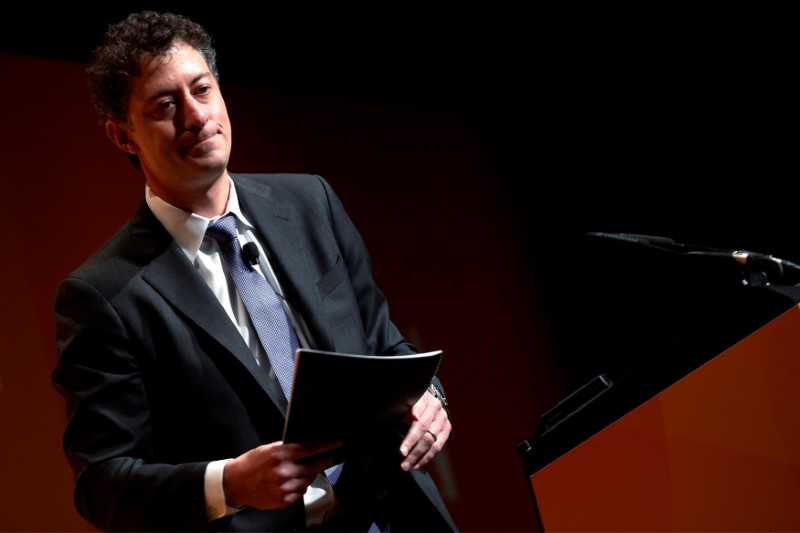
column 729, row 313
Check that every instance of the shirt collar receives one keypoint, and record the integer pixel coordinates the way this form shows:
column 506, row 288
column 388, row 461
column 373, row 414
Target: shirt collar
column 189, row 229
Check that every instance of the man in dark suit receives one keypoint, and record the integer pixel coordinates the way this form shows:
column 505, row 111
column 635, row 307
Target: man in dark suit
column 175, row 417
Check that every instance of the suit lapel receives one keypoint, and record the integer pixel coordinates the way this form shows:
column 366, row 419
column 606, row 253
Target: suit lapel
column 173, row 276
column 287, row 250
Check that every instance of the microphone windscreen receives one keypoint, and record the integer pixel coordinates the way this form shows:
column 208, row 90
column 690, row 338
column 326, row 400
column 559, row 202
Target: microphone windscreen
column 250, row 252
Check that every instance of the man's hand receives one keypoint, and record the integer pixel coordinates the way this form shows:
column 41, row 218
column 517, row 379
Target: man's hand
column 275, row 475
column 430, row 429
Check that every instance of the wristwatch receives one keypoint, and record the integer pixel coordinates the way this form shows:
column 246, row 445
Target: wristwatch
column 438, row 393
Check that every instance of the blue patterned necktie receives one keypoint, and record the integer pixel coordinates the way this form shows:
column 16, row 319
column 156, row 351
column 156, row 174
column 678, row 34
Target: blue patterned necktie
column 273, row 325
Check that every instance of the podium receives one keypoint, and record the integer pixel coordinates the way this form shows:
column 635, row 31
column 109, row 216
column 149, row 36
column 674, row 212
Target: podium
column 704, row 436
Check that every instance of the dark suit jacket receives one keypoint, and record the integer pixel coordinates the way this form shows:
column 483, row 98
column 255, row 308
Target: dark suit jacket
column 158, row 381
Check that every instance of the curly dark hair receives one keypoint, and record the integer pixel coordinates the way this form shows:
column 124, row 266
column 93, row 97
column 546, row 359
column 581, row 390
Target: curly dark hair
column 116, row 59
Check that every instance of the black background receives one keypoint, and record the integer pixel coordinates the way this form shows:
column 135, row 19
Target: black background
column 671, row 122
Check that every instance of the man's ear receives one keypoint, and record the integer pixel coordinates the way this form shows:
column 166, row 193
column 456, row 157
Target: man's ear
column 119, row 136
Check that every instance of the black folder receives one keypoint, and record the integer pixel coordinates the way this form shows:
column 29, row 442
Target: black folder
column 350, row 396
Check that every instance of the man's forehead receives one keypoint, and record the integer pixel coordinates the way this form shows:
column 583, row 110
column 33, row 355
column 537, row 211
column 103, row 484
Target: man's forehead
column 168, row 71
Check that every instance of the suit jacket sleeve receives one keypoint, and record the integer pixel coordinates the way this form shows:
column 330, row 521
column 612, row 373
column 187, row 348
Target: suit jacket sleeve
column 109, row 440
column 158, row 382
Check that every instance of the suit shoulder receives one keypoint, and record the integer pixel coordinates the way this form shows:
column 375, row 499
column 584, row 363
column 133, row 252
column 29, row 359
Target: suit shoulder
column 268, row 184
column 278, row 178
column 121, row 258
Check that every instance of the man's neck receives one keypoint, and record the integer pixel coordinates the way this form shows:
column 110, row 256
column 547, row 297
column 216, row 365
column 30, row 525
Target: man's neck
column 208, row 202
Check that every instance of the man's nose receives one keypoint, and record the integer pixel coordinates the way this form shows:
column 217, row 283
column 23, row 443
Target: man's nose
column 194, row 115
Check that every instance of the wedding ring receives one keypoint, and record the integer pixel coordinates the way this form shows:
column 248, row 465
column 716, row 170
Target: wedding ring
column 432, row 434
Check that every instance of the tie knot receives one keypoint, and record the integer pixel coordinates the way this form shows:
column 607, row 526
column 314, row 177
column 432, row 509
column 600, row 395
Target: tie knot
column 224, row 229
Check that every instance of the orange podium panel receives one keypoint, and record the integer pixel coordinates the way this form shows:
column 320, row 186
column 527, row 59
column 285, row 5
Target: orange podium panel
column 717, row 450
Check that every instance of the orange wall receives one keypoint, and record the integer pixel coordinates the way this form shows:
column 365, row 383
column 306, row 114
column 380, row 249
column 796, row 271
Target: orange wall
column 419, row 184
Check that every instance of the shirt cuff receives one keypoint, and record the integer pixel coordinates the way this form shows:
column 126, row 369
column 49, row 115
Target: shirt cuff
column 216, row 506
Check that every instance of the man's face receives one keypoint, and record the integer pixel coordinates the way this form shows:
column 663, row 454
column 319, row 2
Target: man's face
column 178, row 125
